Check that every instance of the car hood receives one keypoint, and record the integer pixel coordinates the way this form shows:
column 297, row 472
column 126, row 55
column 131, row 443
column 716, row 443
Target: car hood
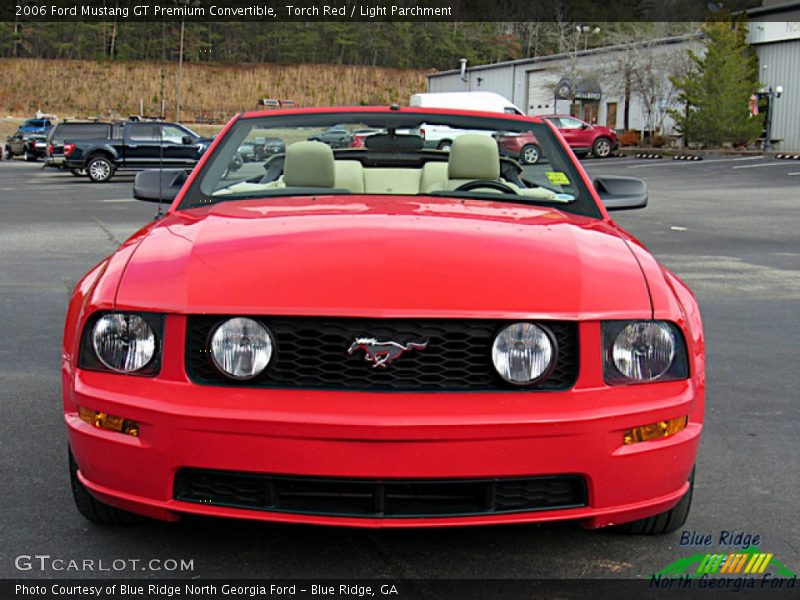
column 606, row 130
column 384, row 256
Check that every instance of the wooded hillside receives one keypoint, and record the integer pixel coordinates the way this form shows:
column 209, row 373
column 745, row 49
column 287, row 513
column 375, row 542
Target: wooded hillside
column 76, row 88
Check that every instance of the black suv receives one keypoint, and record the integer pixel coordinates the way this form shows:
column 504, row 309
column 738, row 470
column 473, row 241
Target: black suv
column 62, row 138
column 136, row 146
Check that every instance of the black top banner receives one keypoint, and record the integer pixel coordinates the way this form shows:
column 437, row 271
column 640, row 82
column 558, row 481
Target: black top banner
column 368, row 10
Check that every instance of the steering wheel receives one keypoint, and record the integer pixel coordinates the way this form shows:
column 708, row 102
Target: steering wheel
column 486, row 183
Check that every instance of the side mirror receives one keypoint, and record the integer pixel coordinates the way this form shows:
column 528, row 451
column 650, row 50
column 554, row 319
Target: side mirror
column 188, row 140
column 158, row 185
column 585, row 126
column 621, row 193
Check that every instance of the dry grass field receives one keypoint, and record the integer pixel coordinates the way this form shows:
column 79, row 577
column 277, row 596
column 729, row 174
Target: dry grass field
column 72, row 88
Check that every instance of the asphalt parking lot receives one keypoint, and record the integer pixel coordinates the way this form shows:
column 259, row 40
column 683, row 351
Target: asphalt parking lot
column 727, row 226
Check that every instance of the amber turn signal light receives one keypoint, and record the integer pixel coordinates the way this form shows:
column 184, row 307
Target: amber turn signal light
column 654, row 431
column 108, row 422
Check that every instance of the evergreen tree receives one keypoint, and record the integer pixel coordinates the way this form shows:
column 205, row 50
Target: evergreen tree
column 716, row 92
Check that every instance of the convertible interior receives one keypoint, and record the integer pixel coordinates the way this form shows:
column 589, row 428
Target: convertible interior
column 473, row 164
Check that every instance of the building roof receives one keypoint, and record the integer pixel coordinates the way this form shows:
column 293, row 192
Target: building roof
column 594, row 51
column 773, row 8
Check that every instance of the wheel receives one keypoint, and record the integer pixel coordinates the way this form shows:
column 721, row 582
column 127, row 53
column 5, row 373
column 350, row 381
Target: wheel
column 78, row 172
column 665, row 522
column 93, row 509
column 601, row 147
column 445, row 145
column 100, row 169
column 29, row 156
column 8, row 154
column 529, row 155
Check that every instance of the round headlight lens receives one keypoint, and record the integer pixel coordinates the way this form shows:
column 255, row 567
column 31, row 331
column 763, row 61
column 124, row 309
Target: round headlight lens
column 241, row 348
column 123, row 342
column 644, row 351
column 522, row 353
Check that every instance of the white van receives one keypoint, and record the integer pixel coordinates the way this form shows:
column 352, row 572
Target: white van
column 441, row 137
column 485, row 101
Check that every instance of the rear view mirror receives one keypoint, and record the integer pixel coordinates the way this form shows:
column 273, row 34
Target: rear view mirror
column 158, row 185
column 621, row 193
column 188, row 140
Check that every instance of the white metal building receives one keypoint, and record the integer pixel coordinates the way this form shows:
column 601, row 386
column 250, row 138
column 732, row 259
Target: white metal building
column 599, row 90
column 775, row 34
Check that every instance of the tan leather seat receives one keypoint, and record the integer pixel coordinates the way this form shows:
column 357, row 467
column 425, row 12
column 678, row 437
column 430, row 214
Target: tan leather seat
column 349, row 175
column 309, row 164
column 434, row 177
column 473, row 157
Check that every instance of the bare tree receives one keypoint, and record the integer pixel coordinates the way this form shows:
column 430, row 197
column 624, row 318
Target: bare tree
column 641, row 68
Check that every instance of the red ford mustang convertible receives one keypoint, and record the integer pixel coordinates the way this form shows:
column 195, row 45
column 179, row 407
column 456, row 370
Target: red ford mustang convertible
column 385, row 336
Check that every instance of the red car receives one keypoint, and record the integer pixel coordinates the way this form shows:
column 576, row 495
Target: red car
column 584, row 138
column 521, row 145
column 385, row 336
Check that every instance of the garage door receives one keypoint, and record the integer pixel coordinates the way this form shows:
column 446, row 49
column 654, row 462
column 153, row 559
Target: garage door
column 540, row 92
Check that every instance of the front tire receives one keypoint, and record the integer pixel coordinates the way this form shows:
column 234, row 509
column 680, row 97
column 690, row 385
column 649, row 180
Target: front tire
column 666, row 522
column 530, row 154
column 30, row 156
column 445, row 145
column 91, row 508
column 601, row 147
column 100, row 169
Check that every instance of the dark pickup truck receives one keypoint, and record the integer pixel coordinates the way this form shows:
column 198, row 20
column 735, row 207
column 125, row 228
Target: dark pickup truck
column 142, row 145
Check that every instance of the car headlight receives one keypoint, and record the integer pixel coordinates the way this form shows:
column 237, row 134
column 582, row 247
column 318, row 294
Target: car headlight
column 643, row 351
column 523, row 353
column 241, row 348
column 123, row 342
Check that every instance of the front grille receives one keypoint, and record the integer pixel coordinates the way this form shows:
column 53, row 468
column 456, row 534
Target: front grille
column 311, row 352
column 379, row 498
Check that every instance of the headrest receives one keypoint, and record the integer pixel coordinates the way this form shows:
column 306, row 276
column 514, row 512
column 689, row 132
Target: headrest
column 309, row 164
column 474, row 156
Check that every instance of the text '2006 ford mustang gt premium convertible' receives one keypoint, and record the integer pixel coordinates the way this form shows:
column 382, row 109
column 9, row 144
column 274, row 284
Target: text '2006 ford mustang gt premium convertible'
column 385, row 335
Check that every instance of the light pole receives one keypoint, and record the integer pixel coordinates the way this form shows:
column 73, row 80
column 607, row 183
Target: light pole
column 586, row 31
column 185, row 3
column 770, row 94
column 180, row 76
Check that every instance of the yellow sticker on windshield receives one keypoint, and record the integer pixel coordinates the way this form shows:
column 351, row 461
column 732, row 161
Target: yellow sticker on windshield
column 557, row 177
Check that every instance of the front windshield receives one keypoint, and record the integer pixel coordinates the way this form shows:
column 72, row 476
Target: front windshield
column 391, row 153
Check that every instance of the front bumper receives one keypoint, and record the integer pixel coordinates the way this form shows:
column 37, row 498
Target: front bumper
column 421, row 436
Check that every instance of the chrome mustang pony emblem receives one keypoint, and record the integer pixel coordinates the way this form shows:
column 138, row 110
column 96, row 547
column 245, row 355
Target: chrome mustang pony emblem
column 382, row 353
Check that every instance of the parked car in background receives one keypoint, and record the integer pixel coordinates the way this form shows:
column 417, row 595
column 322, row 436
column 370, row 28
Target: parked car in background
column 480, row 101
column 336, row 137
column 62, row 138
column 30, row 145
column 38, row 126
column 585, row 138
column 261, row 148
column 137, row 146
column 30, row 140
column 522, row 146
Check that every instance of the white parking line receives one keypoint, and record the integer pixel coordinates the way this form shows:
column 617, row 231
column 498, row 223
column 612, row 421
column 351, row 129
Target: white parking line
column 657, row 163
column 118, row 200
column 798, row 173
column 769, row 164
